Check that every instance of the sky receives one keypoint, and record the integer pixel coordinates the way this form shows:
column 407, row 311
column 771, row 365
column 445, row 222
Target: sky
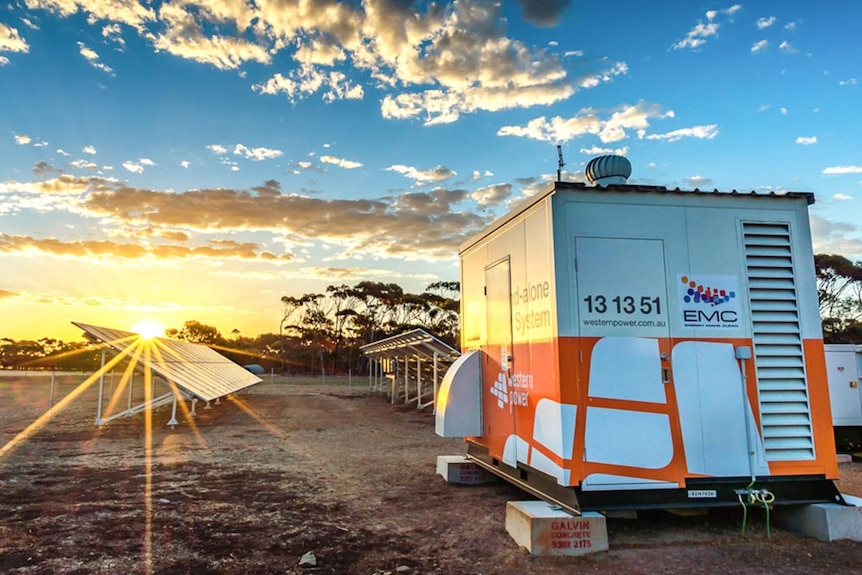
column 200, row 159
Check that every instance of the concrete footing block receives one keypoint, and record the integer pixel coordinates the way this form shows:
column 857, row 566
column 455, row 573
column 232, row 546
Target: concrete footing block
column 461, row 470
column 546, row 530
column 824, row 521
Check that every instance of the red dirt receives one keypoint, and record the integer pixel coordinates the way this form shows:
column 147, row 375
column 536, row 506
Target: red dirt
column 258, row 481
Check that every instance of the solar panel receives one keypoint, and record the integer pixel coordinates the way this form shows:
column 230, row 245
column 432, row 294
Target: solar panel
column 196, row 369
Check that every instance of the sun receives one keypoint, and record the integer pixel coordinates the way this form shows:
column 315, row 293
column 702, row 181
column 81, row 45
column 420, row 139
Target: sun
column 148, row 329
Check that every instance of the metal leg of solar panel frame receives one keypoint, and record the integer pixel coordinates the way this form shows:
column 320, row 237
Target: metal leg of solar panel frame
column 129, row 404
column 208, row 406
column 436, row 375
column 406, row 380
column 101, row 390
column 173, row 422
column 194, row 403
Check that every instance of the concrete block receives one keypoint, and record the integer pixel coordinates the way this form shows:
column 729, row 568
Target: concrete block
column 546, row 530
column 460, row 470
column 824, row 521
column 845, row 458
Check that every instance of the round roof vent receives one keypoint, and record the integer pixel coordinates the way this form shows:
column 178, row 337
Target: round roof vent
column 608, row 170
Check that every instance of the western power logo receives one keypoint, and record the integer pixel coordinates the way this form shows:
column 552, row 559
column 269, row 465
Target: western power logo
column 500, row 390
column 699, row 293
column 709, row 301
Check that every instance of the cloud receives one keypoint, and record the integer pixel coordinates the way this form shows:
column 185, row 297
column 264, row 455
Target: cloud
column 842, row 197
column 598, row 150
column 133, row 167
column 111, row 251
column 138, row 167
column 44, row 168
column 89, row 150
column 308, row 80
column 217, row 149
column 256, row 154
column 850, row 82
column 759, row 46
column 430, row 61
column 93, row 58
column 703, row 132
column 185, row 164
column 588, row 121
column 340, row 162
column 83, row 165
column 114, row 33
column 787, row 47
column 184, row 36
column 437, row 174
column 11, row 41
column 838, row 170
column 492, row 195
column 697, row 36
column 698, row 182
column 22, row 139
column 833, row 237
column 411, row 226
column 765, row 22
column 543, row 12
column 131, row 13
column 806, row 140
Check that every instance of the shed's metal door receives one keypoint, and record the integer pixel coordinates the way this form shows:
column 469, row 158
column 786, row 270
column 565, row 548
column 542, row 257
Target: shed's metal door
column 498, row 418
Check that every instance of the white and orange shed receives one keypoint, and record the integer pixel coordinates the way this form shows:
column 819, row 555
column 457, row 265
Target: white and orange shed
column 633, row 346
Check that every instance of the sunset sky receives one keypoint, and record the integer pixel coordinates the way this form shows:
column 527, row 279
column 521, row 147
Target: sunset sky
column 198, row 159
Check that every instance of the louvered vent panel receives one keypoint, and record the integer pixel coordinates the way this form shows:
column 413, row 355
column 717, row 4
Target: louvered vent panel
column 778, row 355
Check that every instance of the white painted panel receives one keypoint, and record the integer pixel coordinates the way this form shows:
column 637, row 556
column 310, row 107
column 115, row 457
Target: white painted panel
column 608, row 482
column 459, row 401
column 841, row 370
column 554, row 426
column 633, row 438
column 621, row 287
column 627, row 368
column 540, row 461
column 516, row 449
column 713, row 411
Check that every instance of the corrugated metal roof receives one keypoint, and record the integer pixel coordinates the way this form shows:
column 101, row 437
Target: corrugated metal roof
column 417, row 342
column 193, row 367
column 564, row 187
column 809, row 197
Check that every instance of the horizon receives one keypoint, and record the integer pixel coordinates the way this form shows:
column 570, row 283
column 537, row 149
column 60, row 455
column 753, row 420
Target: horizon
column 198, row 161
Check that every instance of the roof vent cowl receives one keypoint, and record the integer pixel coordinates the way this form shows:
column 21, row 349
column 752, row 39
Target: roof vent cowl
column 608, row 170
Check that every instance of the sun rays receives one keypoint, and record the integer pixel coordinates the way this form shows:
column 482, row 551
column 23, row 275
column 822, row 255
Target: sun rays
column 189, row 372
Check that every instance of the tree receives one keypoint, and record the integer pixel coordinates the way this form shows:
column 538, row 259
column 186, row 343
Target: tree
column 839, row 290
column 194, row 331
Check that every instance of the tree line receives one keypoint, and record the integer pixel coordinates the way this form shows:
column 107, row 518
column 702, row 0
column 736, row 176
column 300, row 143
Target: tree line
column 323, row 331
column 318, row 332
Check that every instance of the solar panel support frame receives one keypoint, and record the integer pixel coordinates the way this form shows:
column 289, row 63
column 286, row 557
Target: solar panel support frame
column 192, row 372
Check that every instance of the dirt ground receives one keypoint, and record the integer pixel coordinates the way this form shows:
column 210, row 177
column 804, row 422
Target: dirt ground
column 253, row 484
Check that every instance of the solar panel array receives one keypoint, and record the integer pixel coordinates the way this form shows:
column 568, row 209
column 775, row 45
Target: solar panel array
column 194, row 368
column 417, row 343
